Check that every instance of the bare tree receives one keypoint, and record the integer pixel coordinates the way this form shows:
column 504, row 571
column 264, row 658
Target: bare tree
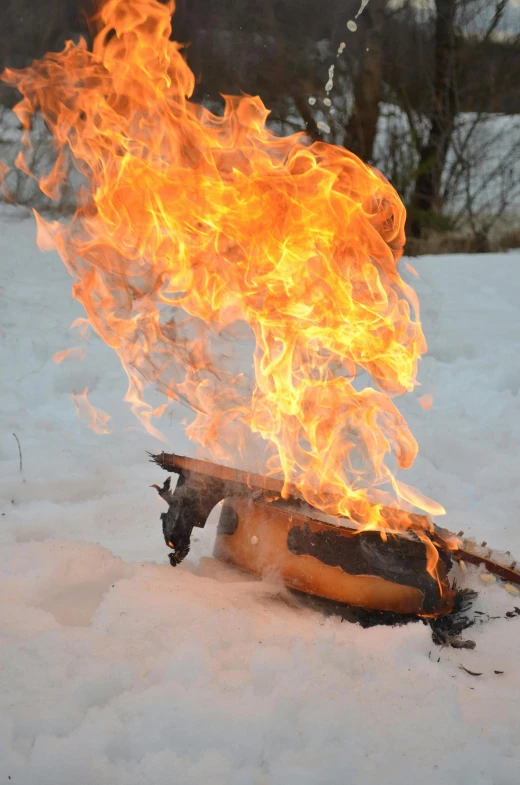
column 360, row 131
column 432, row 157
column 417, row 90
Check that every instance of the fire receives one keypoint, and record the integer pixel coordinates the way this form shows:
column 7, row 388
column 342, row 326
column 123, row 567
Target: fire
column 97, row 418
column 192, row 227
column 75, row 352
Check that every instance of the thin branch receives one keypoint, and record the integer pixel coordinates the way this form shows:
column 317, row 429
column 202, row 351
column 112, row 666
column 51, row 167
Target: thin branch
column 495, row 21
column 19, row 451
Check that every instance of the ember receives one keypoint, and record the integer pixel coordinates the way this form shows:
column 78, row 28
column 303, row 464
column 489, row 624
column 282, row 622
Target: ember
column 193, row 225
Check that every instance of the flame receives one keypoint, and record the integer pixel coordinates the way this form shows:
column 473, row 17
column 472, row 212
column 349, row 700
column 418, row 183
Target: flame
column 411, row 269
column 193, row 225
column 82, row 325
column 425, row 401
column 74, row 353
column 97, row 418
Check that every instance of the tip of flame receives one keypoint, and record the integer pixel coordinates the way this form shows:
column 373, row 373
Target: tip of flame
column 45, row 232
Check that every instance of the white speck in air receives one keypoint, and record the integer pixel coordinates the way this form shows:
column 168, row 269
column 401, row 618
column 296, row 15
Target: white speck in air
column 325, row 127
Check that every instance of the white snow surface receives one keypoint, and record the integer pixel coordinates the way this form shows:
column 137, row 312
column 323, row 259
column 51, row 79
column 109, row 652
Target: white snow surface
column 116, row 668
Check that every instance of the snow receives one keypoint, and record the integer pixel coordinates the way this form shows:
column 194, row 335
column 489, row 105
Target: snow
column 117, row 668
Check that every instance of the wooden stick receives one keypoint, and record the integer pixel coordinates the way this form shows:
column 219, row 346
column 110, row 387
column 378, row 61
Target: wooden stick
column 19, row 451
column 507, row 573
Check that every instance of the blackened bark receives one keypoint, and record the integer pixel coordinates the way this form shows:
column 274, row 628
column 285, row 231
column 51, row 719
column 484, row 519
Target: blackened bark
column 396, row 559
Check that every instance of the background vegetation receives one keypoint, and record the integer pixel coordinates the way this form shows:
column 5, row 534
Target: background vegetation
column 425, row 90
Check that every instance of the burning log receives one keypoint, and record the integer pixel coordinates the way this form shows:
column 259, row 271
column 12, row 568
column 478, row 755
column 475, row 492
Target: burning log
column 261, row 532
column 358, row 568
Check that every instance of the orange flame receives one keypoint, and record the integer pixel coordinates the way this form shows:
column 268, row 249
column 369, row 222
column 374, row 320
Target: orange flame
column 425, row 401
column 194, row 225
column 97, row 418
column 74, row 353
column 82, row 326
column 411, row 269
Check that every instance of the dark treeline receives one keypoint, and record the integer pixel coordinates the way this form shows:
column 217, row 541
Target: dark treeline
column 250, row 45
column 260, row 46
column 432, row 66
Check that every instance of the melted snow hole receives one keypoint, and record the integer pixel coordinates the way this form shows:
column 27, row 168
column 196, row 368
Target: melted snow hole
column 74, row 604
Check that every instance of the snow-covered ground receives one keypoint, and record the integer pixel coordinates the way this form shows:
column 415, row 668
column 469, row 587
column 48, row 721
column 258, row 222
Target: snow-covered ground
column 117, row 669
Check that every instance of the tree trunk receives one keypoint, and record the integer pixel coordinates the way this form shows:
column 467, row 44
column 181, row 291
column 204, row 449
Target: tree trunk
column 433, row 154
column 360, row 131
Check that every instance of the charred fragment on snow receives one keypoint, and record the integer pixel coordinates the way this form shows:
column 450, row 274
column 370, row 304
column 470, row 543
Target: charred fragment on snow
column 446, row 630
